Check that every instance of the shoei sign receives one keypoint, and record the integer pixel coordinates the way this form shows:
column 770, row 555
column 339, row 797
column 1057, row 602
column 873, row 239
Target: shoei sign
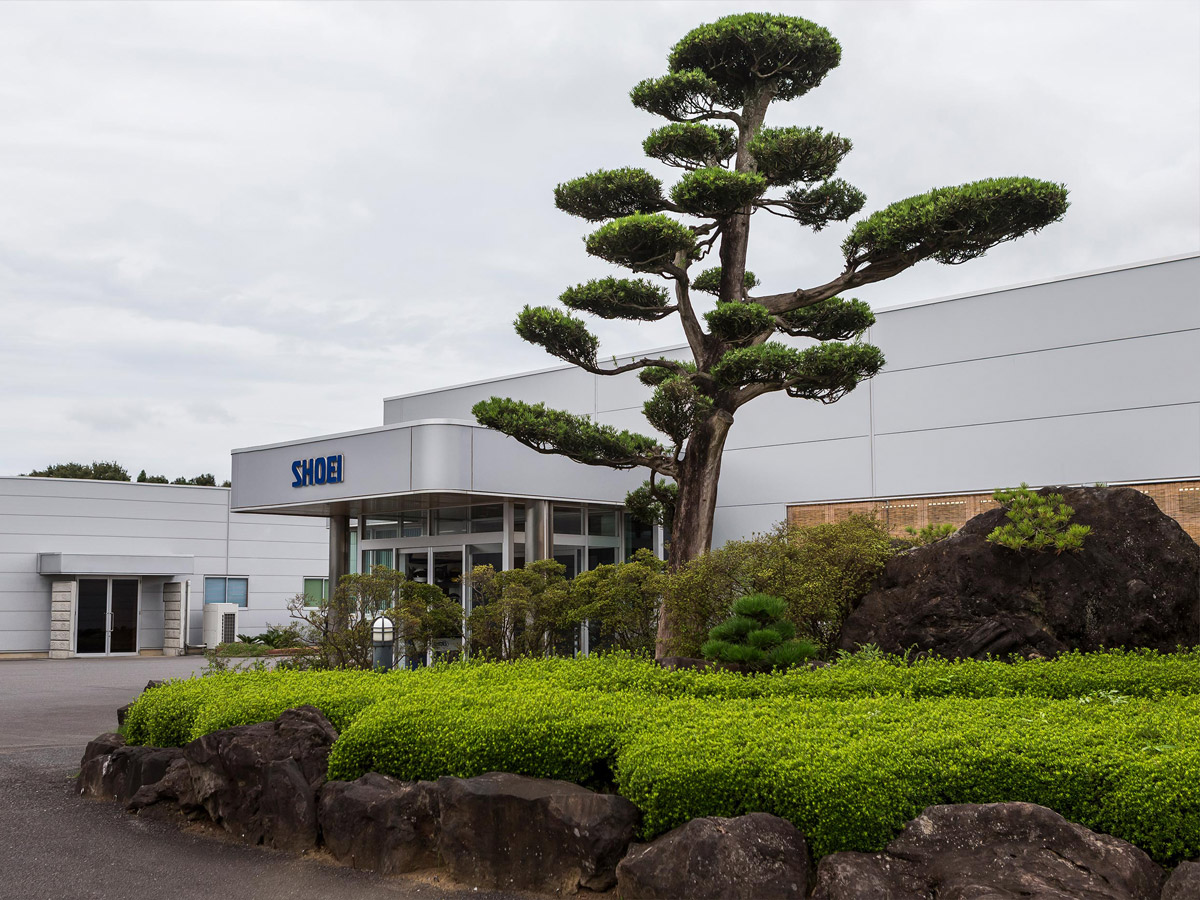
column 317, row 470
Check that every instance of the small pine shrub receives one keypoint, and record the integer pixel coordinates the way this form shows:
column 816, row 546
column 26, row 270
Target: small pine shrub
column 930, row 534
column 757, row 634
column 1037, row 522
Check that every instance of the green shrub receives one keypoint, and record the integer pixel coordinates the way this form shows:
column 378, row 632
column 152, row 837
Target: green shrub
column 620, row 603
column 819, row 571
column 758, row 635
column 517, row 612
column 1037, row 522
column 848, row 752
column 929, row 534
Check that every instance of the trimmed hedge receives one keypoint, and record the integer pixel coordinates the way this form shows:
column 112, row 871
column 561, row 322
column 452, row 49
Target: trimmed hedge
column 848, row 753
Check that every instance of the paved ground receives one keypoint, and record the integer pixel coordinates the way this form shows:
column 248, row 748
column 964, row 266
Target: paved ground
column 56, row 846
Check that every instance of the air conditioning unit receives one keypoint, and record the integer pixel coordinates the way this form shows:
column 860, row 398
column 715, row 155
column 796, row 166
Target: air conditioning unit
column 220, row 624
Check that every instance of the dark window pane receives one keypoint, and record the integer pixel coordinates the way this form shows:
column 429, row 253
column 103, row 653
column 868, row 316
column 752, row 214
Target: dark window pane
column 518, row 517
column 568, row 520
column 416, row 566
column 124, row 616
column 601, row 556
column 450, row 521
column 638, row 536
column 412, row 524
column 602, row 522
column 487, row 518
column 447, row 570
column 90, row 615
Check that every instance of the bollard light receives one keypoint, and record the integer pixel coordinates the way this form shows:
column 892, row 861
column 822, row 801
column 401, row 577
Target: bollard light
column 383, row 635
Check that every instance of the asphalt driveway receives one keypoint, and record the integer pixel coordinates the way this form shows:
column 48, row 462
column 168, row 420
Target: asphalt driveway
column 56, row 846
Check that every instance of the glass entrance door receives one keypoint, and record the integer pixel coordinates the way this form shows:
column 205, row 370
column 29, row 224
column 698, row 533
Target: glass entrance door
column 106, row 616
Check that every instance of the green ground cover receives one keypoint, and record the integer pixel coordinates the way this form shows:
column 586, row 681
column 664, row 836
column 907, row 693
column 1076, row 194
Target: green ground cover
column 848, row 753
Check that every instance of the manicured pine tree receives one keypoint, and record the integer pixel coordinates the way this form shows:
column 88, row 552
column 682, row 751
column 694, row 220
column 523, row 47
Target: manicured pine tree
column 722, row 79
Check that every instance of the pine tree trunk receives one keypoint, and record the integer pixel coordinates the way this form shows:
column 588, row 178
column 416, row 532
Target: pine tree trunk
column 694, row 508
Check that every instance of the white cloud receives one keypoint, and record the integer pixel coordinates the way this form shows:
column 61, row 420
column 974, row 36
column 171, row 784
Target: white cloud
column 228, row 224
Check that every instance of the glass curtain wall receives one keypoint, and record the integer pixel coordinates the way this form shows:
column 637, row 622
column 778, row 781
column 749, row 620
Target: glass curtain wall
column 437, row 546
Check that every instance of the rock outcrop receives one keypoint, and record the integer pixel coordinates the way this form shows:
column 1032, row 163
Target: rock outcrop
column 1184, row 883
column 994, row 850
column 753, row 857
column 110, row 770
column 511, row 832
column 1135, row 583
column 379, row 823
column 258, row 782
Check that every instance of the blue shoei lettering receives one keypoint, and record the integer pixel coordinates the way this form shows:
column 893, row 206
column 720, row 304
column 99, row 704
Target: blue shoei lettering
column 318, row 470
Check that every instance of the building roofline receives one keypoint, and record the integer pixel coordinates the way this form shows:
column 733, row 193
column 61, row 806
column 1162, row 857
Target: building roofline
column 880, row 312
column 157, row 484
column 345, row 434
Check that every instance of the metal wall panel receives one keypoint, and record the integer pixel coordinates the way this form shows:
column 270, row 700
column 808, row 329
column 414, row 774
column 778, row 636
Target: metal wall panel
column 769, row 475
column 1140, row 300
column 571, row 389
column 1132, row 445
column 1139, row 372
column 441, row 458
column 733, row 523
column 780, row 419
column 501, row 465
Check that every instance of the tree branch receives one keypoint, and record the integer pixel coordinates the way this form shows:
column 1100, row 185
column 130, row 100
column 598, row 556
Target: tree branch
column 852, row 277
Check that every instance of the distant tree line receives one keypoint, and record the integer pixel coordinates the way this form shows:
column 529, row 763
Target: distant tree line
column 114, row 471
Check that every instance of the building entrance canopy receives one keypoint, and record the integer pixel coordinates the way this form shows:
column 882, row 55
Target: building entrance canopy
column 398, row 467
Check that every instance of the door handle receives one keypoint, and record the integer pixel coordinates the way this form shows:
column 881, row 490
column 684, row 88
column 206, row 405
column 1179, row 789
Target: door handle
column 110, row 621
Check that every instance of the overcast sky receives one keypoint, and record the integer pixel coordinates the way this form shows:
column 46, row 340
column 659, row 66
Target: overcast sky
column 225, row 224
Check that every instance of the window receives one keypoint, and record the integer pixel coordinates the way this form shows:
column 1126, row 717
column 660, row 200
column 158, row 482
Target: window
column 487, row 518
column 602, row 522
column 226, row 590
column 380, row 529
column 373, row 558
column 316, row 591
column 450, row 521
column 568, row 519
column 412, row 524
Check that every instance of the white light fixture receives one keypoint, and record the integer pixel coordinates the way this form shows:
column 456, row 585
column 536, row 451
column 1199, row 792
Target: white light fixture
column 383, row 630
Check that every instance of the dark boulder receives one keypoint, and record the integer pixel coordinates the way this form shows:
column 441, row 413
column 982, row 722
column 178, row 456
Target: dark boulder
column 511, row 832
column 379, row 823
column 754, row 857
column 995, row 850
column 1184, row 883
column 1135, row 583
column 110, row 770
column 258, row 782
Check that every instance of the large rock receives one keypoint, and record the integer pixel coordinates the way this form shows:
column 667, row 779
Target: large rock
column 1001, row 851
column 1135, row 583
column 380, row 823
column 508, row 831
column 1184, row 883
column 110, row 770
column 754, row 857
column 258, row 782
